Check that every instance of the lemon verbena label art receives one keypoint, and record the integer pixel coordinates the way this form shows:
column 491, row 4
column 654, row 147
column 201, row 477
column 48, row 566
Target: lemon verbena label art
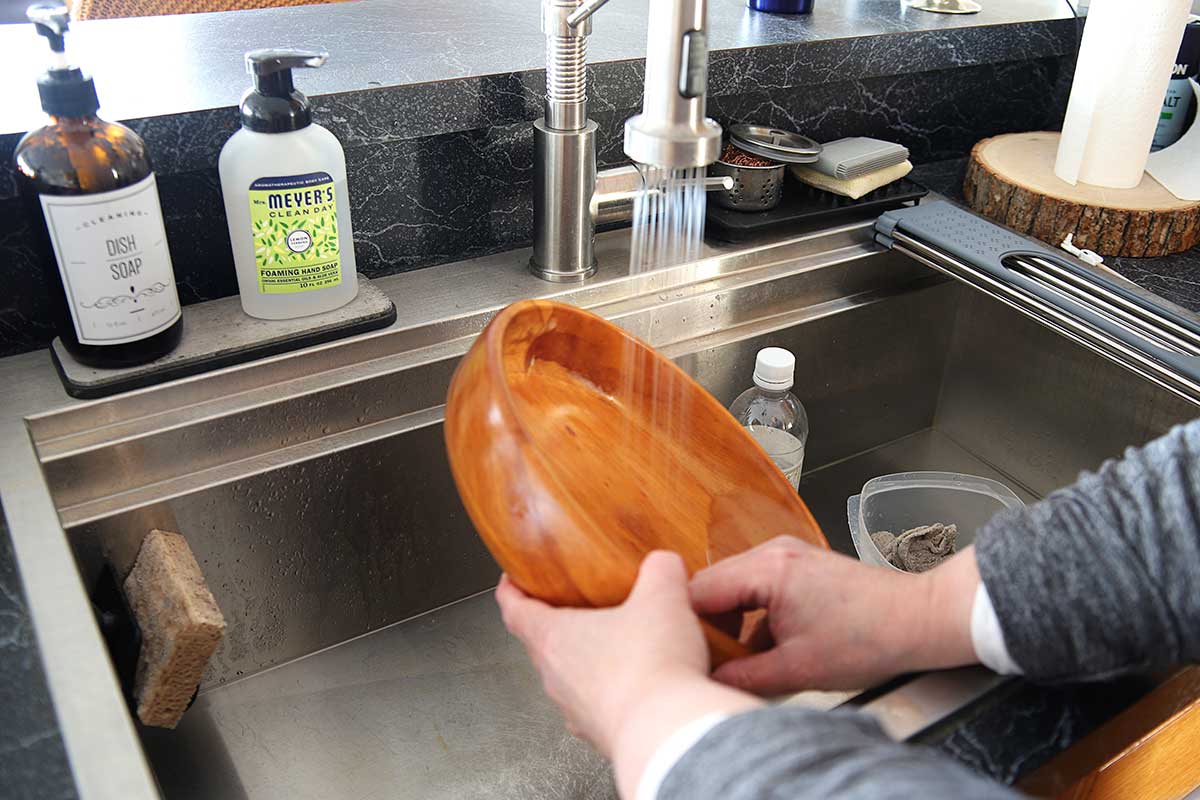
column 293, row 219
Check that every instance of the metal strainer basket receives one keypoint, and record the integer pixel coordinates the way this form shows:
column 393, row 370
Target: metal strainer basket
column 761, row 188
column 754, row 188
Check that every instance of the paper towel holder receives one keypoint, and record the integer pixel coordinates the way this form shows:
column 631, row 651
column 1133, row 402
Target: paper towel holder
column 947, row 6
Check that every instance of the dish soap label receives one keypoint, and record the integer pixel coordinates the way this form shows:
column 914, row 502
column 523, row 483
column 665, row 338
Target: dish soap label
column 111, row 249
column 294, row 223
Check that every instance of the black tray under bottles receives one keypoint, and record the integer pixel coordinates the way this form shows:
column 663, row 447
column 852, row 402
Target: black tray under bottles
column 802, row 203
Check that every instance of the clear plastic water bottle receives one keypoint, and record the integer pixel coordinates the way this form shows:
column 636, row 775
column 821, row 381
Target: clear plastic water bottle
column 772, row 413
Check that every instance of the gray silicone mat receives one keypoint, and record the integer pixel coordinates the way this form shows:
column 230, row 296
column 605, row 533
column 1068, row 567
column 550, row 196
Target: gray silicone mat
column 218, row 334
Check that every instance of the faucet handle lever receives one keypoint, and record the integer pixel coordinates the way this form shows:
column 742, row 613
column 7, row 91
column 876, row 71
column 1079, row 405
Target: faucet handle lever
column 583, row 12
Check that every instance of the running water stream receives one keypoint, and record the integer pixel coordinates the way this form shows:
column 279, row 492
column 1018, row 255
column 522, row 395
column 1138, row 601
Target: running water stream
column 668, row 229
column 668, row 218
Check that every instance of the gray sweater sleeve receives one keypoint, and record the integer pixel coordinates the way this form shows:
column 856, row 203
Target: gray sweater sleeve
column 1094, row 581
column 794, row 754
column 1100, row 578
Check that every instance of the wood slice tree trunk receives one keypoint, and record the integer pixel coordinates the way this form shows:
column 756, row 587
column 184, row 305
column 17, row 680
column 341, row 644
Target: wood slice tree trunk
column 1010, row 179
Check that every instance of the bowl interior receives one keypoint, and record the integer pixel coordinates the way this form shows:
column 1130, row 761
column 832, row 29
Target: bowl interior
column 636, row 451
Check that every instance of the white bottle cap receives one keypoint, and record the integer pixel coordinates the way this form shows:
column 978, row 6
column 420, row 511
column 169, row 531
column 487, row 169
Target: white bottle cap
column 774, row 369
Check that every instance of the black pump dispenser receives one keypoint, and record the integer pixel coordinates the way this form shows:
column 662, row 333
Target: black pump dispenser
column 273, row 105
column 66, row 91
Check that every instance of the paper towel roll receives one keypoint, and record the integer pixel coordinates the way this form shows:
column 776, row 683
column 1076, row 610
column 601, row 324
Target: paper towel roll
column 1124, row 65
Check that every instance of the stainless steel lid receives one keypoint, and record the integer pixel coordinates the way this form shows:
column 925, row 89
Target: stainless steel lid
column 775, row 144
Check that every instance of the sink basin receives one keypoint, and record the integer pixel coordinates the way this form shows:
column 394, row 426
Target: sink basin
column 364, row 656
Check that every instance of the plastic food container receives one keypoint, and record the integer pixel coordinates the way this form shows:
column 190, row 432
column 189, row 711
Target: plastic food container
column 905, row 500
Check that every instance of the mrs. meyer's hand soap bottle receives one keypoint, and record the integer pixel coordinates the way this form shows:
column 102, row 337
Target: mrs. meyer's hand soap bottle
column 284, row 182
column 93, row 200
column 772, row 414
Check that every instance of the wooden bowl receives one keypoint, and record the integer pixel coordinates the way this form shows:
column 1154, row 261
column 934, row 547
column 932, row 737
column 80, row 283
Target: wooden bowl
column 578, row 449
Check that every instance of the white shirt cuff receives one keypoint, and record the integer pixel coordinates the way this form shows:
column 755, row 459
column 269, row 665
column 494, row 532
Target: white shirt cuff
column 986, row 636
column 671, row 750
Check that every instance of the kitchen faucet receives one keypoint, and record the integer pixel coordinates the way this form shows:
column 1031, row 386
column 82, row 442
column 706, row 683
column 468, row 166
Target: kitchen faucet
column 569, row 197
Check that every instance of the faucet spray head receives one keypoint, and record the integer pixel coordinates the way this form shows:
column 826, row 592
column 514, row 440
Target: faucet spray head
column 672, row 131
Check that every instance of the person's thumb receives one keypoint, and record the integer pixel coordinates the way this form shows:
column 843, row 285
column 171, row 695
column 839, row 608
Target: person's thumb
column 763, row 673
column 732, row 584
column 662, row 576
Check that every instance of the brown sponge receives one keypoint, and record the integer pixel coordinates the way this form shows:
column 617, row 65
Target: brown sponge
column 181, row 627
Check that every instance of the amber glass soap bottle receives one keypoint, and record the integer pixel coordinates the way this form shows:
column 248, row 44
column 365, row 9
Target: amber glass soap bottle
column 90, row 191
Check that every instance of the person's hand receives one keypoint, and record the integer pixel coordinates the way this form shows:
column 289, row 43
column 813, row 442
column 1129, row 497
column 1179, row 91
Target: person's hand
column 626, row 677
column 595, row 664
column 838, row 623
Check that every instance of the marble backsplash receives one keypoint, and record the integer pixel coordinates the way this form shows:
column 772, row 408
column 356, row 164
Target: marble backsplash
column 441, row 171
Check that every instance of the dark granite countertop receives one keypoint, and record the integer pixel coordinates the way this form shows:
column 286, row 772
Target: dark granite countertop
column 1175, row 278
column 388, row 43
column 433, row 105
column 404, row 69
column 33, row 760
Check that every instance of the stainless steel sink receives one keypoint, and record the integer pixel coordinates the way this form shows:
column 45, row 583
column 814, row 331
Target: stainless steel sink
column 364, row 657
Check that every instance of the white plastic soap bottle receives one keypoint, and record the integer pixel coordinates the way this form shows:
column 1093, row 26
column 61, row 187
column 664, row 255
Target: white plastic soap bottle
column 284, row 183
column 772, row 414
